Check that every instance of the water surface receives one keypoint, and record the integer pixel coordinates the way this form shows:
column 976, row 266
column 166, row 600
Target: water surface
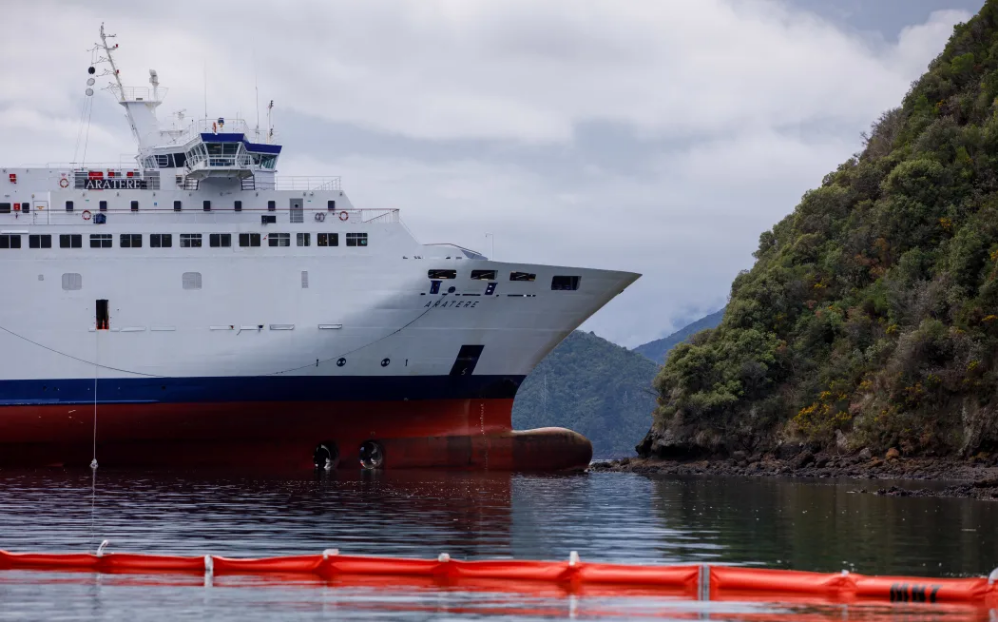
column 607, row 517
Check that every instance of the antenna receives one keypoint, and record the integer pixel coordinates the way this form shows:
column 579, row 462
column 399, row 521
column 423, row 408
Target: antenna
column 206, row 89
column 256, row 87
column 270, row 122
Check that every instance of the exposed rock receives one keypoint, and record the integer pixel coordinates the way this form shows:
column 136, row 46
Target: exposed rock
column 892, row 454
column 841, row 441
column 803, row 459
column 865, row 454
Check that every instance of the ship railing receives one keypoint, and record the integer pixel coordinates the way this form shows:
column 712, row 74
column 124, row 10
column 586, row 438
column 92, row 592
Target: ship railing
column 74, row 172
column 198, row 161
column 197, row 127
column 88, row 217
column 284, row 182
column 211, row 126
column 126, row 163
column 139, row 93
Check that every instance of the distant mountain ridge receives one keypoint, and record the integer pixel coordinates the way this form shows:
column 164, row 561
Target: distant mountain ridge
column 595, row 387
column 658, row 349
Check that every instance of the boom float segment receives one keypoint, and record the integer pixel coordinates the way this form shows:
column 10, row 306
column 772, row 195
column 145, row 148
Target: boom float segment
column 694, row 581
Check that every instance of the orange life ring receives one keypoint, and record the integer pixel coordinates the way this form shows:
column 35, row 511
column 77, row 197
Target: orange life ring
column 344, row 216
column 86, row 214
column 64, row 183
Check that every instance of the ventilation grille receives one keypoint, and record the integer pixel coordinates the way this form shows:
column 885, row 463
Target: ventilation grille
column 71, row 281
column 304, row 279
column 192, row 280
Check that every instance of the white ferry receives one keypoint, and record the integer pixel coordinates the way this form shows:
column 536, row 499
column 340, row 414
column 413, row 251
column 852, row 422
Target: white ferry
column 195, row 308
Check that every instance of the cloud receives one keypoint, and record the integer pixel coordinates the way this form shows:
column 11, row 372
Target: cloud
column 659, row 137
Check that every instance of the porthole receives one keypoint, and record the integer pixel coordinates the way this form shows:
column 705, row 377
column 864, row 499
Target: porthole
column 341, row 362
column 386, row 362
column 451, row 290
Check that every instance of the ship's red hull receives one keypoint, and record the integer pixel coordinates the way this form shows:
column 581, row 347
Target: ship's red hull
column 449, row 433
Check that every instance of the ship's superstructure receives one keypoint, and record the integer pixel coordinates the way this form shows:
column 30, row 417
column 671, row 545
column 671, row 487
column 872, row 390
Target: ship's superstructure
column 196, row 307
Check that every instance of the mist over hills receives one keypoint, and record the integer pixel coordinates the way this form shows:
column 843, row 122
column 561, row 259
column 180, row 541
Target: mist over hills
column 656, row 350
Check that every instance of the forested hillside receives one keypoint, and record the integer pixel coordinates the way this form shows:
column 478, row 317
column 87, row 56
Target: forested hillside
column 595, row 387
column 658, row 349
column 870, row 318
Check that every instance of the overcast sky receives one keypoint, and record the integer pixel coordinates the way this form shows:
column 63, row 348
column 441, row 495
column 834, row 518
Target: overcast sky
column 658, row 136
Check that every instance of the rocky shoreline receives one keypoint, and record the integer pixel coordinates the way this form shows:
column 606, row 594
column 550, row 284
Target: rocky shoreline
column 976, row 478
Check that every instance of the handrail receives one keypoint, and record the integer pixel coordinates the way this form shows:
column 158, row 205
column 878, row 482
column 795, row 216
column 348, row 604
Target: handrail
column 263, row 181
column 217, row 215
column 197, row 210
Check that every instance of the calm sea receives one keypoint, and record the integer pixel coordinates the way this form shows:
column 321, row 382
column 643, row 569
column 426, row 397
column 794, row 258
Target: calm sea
column 824, row 526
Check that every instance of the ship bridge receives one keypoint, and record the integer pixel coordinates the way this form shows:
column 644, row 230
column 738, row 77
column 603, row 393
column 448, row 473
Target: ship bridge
column 215, row 148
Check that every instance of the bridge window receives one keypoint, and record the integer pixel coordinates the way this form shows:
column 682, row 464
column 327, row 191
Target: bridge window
column 39, row 241
column 305, row 239
column 73, row 240
column 72, row 281
column 279, row 239
column 238, row 206
column 522, row 276
column 565, row 283
column 207, row 206
column 10, row 241
column 190, row 240
column 178, row 206
column 192, row 280
column 131, row 240
column 220, row 240
column 4, row 208
column 330, row 205
column 160, row 240
column 356, row 239
column 249, row 239
column 69, row 206
column 101, row 240
column 483, row 275
column 328, row 239
column 135, row 206
column 442, row 274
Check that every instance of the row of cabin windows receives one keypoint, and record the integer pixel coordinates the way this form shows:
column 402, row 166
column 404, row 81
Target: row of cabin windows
column 187, row 240
column 565, row 283
column 481, row 275
column 178, row 206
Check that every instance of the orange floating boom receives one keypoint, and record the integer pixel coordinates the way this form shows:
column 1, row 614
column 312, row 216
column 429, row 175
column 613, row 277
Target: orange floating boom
column 703, row 581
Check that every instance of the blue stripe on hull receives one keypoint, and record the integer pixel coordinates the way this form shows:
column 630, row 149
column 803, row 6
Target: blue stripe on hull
column 253, row 389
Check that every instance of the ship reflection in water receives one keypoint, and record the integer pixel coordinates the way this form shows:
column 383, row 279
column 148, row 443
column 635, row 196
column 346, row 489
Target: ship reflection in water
column 605, row 517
